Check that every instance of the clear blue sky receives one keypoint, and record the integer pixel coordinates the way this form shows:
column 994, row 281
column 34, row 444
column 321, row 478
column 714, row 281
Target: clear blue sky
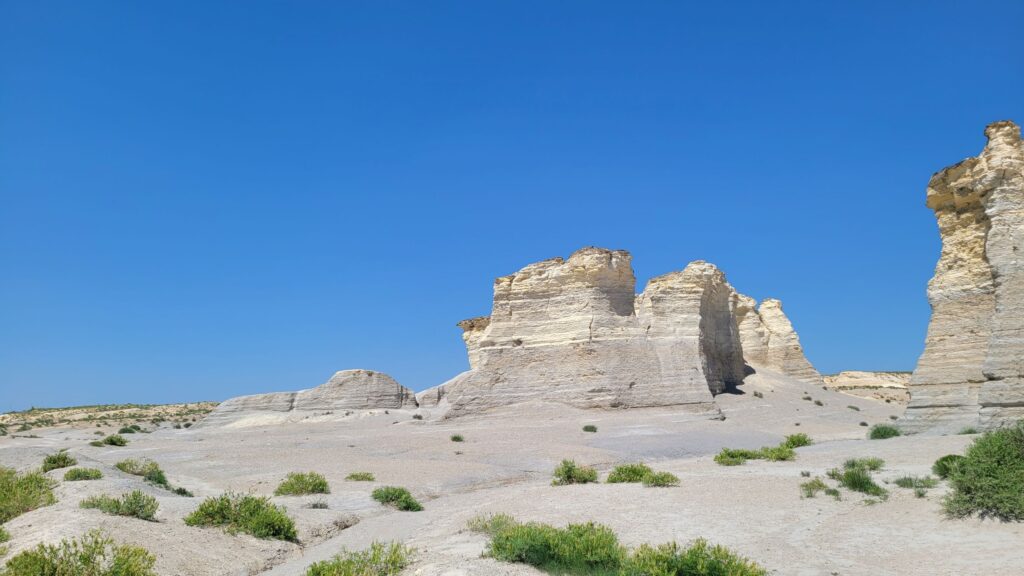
column 206, row 199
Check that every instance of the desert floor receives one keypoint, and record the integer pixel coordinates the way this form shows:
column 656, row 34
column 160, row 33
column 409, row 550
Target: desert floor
column 505, row 464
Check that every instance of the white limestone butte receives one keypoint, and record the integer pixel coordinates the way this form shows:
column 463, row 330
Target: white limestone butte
column 769, row 339
column 970, row 373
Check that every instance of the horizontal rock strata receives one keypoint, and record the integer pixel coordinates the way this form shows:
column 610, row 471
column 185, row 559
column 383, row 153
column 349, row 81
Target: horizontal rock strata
column 769, row 340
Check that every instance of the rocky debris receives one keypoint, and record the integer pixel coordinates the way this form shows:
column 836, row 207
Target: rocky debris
column 574, row 331
column 891, row 386
column 769, row 340
column 971, row 372
column 346, row 390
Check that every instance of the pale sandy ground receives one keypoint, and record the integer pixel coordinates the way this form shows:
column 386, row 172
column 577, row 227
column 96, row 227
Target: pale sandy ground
column 505, row 466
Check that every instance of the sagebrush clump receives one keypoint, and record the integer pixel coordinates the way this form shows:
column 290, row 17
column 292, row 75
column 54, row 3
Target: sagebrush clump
column 397, row 497
column 21, row 493
column 883, row 431
column 660, row 480
column 299, row 483
column 93, row 555
column 253, row 515
column 360, row 477
column 377, row 560
column 77, row 474
column 136, row 504
column 59, row 460
column 989, row 480
column 629, row 473
column 569, row 472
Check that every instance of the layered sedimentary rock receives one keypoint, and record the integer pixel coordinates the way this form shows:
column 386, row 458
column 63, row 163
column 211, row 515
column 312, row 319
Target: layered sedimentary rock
column 972, row 370
column 574, row 331
column 769, row 340
column 890, row 386
column 346, row 390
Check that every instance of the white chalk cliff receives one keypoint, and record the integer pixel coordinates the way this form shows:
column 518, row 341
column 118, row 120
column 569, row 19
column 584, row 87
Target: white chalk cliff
column 972, row 370
column 769, row 340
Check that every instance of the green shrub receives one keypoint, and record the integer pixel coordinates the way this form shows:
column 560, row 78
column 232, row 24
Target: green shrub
column 82, row 474
column 148, row 469
column 59, row 460
column 797, row 440
column 115, row 440
column 725, row 458
column 858, row 480
column 968, row 430
column 700, row 559
column 883, row 431
column 360, row 477
column 738, row 456
column 378, row 560
column 916, row 482
column 852, row 407
column 4, row 536
column 628, row 473
column 21, row 493
column 318, row 505
column 491, row 524
column 989, row 480
column 590, row 428
column 299, row 483
column 97, row 443
column 872, row 464
column 253, row 515
column 777, row 453
column 183, row 492
column 457, row 438
column 93, row 555
column 811, row 488
column 660, row 480
column 819, row 403
column 833, row 493
column 397, row 497
column 135, row 504
column 920, row 492
column 126, row 430
column 568, row 472
column 945, row 466
column 417, row 416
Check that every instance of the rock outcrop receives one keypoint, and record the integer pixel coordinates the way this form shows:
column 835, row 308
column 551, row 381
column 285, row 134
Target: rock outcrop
column 346, row 390
column 769, row 340
column 574, row 331
column 972, row 370
column 890, row 386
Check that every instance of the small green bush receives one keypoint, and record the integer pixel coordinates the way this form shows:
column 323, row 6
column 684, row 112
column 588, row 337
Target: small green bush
column 628, row 473
column 97, row 443
column 253, row 515
column 4, row 535
column 854, row 408
column 76, row 474
column 798, row 440
column 135, row 504
column 58, row 460
column 417, row 416
column 738, row 456
column 21, row 493
column 377, row 560
column 968, row 430
column 491, row 524
column 93, row 555
column 916, row 482
column 883, row 431
column 182, row 492
column 115, row 440
column 833, row 493
column 457, row 438
column 590, row 428
column 660, row 480
column 299, row 483
column 699, row 559
column 148, row 469
column 872, row 464
column 811, row 488
column 945, row 465
column 318, row 505
column 989, row 480
column 360, row 477
column 568, row 472
column 778, row 453
column 819, row 403
column 126, row 430
column 397, row 497
column 858, row 480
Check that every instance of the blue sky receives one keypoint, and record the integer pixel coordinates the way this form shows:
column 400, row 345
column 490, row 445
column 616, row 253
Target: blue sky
column 206, row 199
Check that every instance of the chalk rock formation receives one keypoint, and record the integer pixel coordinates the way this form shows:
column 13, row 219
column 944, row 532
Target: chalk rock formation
column 346, row 390
column 878, row 385
column 769, row 340
column 574, row 331
column 972, row 370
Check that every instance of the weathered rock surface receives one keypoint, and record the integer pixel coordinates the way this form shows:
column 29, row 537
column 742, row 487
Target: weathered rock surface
column 346, row 390
column 972, row 370
column 890, row 386
column 769, row 340
column 574, row 331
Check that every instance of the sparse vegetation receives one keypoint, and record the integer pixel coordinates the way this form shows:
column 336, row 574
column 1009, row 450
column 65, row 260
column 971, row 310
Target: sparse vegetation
column 136, row 504
column 863, row 424
column 93, row 555
column 916, row 482
column 819, row 403
column 660, row 480
column 300, row 483
column 59, row 460
column 568, row 472
column 872, row 464
column 629, row 473
column 989, row 480
column 856, row 476
column 457, row 438
column 115, row 440
column 253, row 515
column 590, row 428
column 397, row 497
column 360, row 477
column 417, row 416
column 811, row 488
column 377, row 560
column 883, row 431
column 854, row 408
column 968, row 430
column 945, row 465
column 148, row 469
column 76, row 474
column 758, row 394
column 21, row 493
column 318, row 505
column 798, row 440
column 594, row 549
